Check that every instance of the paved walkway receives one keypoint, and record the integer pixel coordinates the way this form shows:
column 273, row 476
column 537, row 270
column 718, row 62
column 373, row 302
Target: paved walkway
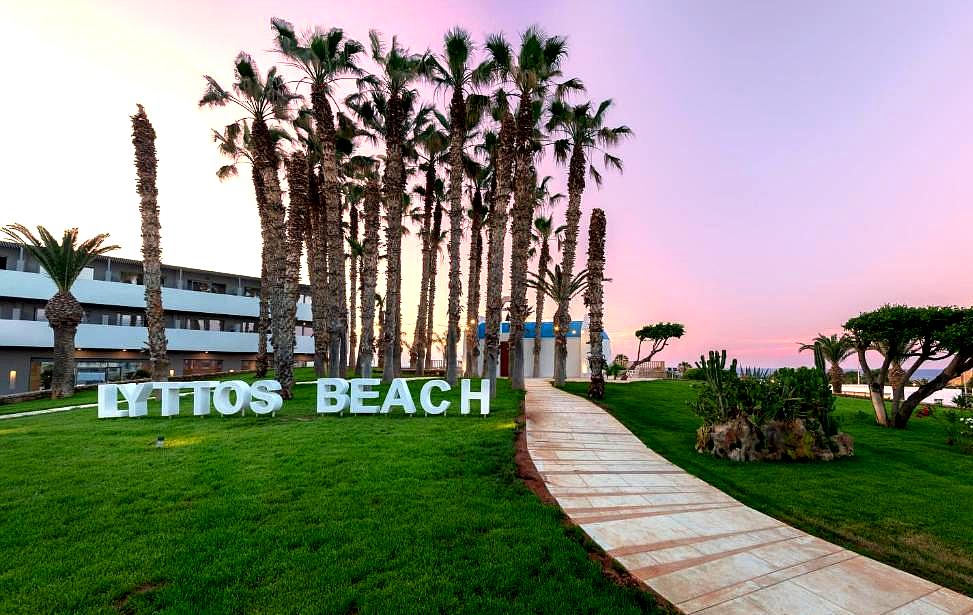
column 697, row 547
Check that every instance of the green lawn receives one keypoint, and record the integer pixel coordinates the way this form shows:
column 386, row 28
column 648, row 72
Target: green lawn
column 906, row 498
column 289, row 514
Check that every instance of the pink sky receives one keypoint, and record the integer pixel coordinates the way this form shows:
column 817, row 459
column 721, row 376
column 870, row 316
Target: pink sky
column 795, row 163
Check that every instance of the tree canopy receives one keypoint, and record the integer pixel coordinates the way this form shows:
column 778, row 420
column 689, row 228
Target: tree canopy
column 659, row 334
column 909, row 337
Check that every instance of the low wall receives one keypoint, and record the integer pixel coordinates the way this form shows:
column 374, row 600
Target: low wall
column 942, row 398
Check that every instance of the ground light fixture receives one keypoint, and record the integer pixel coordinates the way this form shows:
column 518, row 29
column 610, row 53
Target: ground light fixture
column 160, row 442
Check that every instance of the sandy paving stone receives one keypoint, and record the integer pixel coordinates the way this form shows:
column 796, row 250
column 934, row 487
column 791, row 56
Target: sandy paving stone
column 691, row 543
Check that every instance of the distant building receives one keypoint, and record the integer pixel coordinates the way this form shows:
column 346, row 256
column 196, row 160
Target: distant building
column 577, row 345
column 211, row 321
column 965, row 379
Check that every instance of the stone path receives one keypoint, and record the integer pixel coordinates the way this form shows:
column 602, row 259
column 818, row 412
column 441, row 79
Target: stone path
column 692, row 544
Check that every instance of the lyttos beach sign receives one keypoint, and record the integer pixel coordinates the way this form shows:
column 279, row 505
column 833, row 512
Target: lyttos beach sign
column 334, row 396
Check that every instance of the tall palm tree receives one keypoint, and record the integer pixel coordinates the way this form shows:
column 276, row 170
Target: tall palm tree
column 325, row 57
column 264, row 99
column 297, row 210
column 477, row 213
column 436, row 238
column 594, row 299
column 556, row 286
column 453, row 70
column 431, row 144
column 394, row 85
column 835, row 349
column 355, row 253
column 146, row 164
column 500, row 151
column 63, row 262
column 580, row 133
column 369, row 275
column 533, row 74
column 544, row 230
column 236, row 143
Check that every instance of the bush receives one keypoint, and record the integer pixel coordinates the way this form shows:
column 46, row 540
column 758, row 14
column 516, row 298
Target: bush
column 694, row 373
column 963, row 400
column 787, row 394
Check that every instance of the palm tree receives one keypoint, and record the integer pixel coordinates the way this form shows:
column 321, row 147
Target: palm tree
column 431, row 145
column 63, row 262
column 369, row 275
column 236, row 143
column 393, row 87
column 453, row 70
column 544, row 230
column 297, row 211
column 580, row 134
column 325, row 57
column 556, row 286
column 264, row 99
column 835, row 349
column 478, row 213
column 436, row 238
column 355, row 253
column 146, row 164
column 594, row 299
column 532, row 73
column 499, row 148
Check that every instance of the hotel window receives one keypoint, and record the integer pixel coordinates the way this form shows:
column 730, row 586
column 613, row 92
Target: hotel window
column 201, row 366
column 251, row 291
column 218, row 288
column 40, row 314
column 131, row 277
column 88, row 273
column 198, row 286
column 3, row 262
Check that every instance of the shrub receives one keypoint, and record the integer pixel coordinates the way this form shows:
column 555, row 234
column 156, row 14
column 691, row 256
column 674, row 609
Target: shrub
column 694, row 373
column 784, row 395
column 615, row 370
column 963, row 400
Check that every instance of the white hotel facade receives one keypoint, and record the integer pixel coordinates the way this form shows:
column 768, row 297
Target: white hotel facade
column 211, row 321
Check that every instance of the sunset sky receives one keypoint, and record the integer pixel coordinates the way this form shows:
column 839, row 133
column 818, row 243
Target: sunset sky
column 793, row 165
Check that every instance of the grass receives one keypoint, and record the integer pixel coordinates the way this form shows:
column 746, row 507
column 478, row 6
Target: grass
column 288, row 514
column 906, row 498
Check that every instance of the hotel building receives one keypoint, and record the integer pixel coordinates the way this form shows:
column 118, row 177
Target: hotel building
column 211, row 321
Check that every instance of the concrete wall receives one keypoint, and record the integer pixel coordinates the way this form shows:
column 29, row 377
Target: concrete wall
column 943, row 397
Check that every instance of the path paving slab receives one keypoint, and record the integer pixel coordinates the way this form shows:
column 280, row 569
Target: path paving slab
column 691, row 543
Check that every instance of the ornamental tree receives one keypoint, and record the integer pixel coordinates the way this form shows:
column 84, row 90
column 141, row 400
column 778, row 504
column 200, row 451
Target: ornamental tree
column 659, row 334
column 906, row 338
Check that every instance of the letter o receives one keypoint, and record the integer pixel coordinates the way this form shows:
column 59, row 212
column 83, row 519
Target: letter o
column 221, row 397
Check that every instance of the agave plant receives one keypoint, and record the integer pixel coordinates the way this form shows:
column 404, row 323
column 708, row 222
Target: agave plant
column 63, row 261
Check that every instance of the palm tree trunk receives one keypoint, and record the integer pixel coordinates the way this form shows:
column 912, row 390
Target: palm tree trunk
column 342, row 288
column 263, row 320
column 523, row 215
column 331, row 199
column 394, row 181
column 595, row 300
column 542, row 264
column 146, row 164
column 266, row 161
column 457, row 118
column 562, row 318
column 495, row 251
column 296, row 216
column 317, row 270
column 437, row 230
column 353, row 291
column 369, row 277
column 419, row 349
column 63, row 313
column 837, row 376
column 472, row 356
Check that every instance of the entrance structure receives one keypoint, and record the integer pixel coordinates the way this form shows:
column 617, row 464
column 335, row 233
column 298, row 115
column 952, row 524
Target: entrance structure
column 577, row 340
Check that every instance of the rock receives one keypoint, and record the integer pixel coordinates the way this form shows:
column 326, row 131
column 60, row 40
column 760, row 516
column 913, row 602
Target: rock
column 795, row 440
